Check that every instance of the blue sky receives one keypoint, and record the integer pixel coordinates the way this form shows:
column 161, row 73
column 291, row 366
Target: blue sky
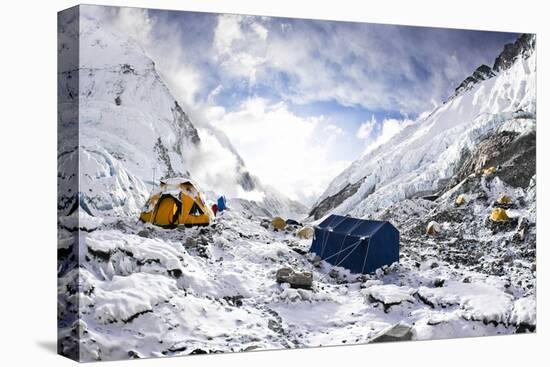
column 344, row 86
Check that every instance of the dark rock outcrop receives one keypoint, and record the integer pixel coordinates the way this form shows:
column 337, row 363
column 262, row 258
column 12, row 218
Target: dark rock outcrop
column 295, row 279
column 523, row 46
column 394, row 333
column 483, row 72
column 333, row 201
column 515, row 154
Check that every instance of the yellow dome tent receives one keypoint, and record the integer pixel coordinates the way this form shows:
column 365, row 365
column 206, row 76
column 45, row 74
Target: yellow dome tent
column 278, row 223
column 176, row 202
column 460, row 200
column 499, row 215
column 489, row 171
column 306, row 232
column 504, row 199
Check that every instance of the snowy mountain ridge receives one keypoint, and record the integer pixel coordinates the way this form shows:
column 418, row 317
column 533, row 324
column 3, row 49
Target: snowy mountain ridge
column 424, row 155
column 132, row 131
column 523, row 47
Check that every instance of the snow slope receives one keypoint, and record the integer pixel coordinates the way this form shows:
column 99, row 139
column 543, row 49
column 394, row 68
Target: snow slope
column 423, row 156
column 131, row 127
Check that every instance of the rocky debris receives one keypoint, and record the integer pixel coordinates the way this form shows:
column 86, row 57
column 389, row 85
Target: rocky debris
column 132, row 317
column 133, row 354
column 236, row 301
column 504, row 202
column 293, row 222
column 144, row 233
column 334, row 274
column 512, row 152
column 302, row 280
column 200, row 244
column 100, row 254
column 439, row 282
column 299, row 250
column 465, row 241
column 265, row 223
column 394, row 333
column 199, row 351
column 389, row 295
column 176, row 348
column 250, row 348
column 291, row 229
column 190, row 242
column 317, row 261
column 497, row 222
column 521, row 230
column 176, row 273
column 506, row 206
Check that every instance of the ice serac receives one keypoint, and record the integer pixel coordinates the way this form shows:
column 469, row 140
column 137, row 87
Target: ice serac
column 132, row 129
column 424, row 156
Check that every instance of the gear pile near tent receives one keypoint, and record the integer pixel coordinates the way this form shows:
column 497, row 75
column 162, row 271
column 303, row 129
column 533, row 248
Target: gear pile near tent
column 222, row 203
column 176, row 202
column 362, row 246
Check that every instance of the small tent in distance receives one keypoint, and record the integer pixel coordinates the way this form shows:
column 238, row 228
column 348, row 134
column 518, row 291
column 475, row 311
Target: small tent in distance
column 176, row 202
column 362, row 246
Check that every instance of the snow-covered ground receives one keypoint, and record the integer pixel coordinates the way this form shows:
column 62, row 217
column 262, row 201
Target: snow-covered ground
column 146, row 291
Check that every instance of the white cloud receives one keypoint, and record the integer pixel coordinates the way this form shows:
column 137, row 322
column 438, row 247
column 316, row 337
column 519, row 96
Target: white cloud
column 227, row 31
column 374, row 66
column 260, row 30
column 239, row 45
column 216, row 168
column 136, row 23
column 290, row 153
column 214, row 93
column 366, row 128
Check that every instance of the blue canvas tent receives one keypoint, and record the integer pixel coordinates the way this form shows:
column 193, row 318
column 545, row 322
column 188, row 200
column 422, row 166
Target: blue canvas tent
column 221, row 204
column 362, row 246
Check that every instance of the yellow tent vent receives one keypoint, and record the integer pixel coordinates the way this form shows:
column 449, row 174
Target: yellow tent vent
column 499, row 215
column 278, row 223
column 305, row 233
column 504, row 199
column 489, row 171
column 460, row 200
